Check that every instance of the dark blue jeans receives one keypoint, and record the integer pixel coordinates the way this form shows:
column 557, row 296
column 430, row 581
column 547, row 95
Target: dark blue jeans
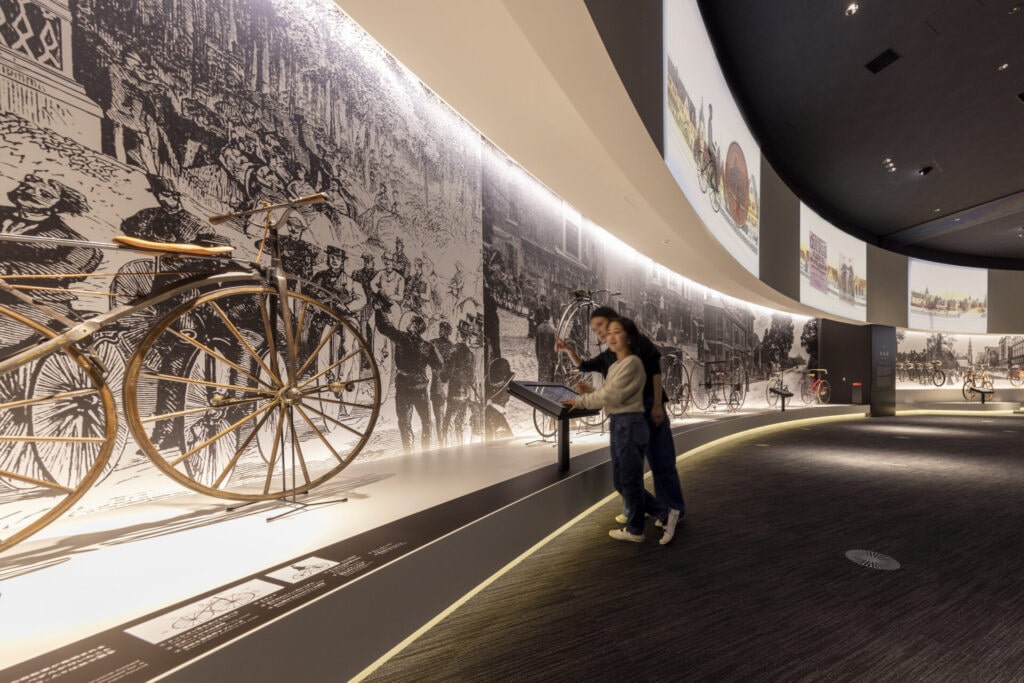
column 629, row 436
column 661, row 456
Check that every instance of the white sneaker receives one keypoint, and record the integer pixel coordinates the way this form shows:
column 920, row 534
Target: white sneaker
column 624, row 535
column 670, row 526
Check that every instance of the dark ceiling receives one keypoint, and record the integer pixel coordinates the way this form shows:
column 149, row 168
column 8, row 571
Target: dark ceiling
column 826, row 123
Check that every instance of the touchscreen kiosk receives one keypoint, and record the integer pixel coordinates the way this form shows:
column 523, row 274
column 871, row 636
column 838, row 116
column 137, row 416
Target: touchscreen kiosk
column 547, row 397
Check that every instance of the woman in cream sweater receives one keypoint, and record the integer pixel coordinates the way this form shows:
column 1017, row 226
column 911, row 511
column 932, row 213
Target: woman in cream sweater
column 621, row 396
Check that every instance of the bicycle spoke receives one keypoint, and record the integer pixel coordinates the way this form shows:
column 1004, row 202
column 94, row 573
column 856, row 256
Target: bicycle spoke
column 319, row 434
column 213, row 354
column 206, row 383
column 218, row 435
column 54, row 439
column 270, row 337
column 297, row 448
column 331, row 367
column 338, row 401
column 238, row 335
column 301, row 318
column 289, row 340
column 7, row 474
column 320, row 346
column 241, row 449
column 273, row 451
column 335, row 421
column 201, row 409
column 52, row 397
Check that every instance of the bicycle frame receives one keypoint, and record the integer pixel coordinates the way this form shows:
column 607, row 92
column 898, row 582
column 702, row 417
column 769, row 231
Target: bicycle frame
column 235, row 272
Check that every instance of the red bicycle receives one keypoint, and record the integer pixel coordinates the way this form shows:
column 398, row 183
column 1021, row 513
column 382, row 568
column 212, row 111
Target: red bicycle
column 815, row 386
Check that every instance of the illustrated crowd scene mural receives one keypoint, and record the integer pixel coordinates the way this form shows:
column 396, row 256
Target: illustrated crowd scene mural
column 143, row 117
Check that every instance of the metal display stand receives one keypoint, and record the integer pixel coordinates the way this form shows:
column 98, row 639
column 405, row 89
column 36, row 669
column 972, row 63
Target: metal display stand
column 782, row 394
column 547, row 397
column 985, row 393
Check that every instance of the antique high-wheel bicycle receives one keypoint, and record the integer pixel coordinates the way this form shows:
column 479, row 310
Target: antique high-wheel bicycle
column 677, row 374
column 574, row 328
column 716, row 383
column 244, row 382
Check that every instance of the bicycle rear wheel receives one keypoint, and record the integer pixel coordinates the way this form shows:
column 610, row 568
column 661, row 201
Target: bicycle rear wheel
column 58, row 426
column 545, row 425
column 806, row 391
column 236, row 396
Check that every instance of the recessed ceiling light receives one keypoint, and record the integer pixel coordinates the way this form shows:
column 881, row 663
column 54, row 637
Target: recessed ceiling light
column 956, row 220
column 1003, row 67
column 892, row 169
column 937, row 210
column 924, row 170
column 1016, row 9
column 851, row 9
column 887, row 161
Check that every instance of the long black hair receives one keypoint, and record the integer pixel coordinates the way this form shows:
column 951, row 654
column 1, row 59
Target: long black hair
column 631, row 330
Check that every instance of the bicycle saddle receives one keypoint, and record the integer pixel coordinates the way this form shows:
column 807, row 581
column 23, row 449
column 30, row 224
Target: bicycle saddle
column 172, row 247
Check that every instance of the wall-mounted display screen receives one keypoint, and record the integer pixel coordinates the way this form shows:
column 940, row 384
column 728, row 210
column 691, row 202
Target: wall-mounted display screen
column 947, row 298
column 708, row 147
column 833, row 268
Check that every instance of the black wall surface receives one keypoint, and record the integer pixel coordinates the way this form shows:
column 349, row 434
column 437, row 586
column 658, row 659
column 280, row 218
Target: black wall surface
column 883, row 368
column 780, row 234
column 845, row 351
column 1005, row 308
column 887, row 287
column 633, row 33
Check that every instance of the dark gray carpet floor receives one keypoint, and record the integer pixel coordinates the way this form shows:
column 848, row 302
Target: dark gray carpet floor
column 756, row 585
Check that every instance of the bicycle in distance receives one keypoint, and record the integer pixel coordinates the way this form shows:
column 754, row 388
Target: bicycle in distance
column 814, row 386
column 574, row 328
column 975, row 379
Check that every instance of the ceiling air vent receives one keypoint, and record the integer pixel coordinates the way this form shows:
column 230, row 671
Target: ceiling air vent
column 881, row 61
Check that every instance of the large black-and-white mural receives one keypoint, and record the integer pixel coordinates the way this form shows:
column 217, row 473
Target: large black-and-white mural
column 143, row 117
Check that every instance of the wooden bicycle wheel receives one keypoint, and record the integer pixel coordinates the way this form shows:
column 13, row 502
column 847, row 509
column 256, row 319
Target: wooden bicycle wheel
column 545, row 425
column 700, row 388
column 58, row 425
column 237, row 396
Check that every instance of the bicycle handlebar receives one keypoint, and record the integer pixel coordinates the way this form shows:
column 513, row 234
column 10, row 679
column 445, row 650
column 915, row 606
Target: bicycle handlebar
column 317, row 198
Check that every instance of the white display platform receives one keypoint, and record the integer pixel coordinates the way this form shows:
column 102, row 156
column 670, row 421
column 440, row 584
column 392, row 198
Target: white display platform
column 81, row 576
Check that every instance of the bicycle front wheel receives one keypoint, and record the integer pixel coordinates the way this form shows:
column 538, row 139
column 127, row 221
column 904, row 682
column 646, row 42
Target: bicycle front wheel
column 968, row 391
column 824, row 391
column 938, row 378
column 1016, row 378
column 700, row 389
column 58, row 426
column 240, row 395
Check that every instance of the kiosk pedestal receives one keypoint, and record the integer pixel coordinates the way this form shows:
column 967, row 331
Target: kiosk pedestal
column 547, row 397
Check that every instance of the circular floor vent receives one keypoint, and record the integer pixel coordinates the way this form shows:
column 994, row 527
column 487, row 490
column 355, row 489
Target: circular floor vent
column 873, row 560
